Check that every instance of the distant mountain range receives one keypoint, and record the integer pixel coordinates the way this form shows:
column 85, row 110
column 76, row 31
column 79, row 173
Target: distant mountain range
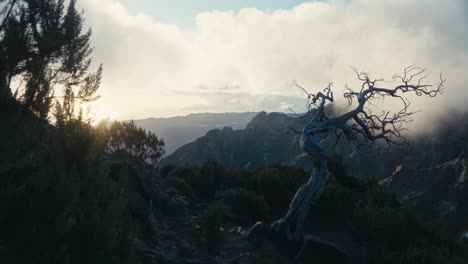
column 266, row 140
column 180, row 130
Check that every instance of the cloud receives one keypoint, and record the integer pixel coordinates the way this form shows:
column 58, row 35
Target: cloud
column 229, row 58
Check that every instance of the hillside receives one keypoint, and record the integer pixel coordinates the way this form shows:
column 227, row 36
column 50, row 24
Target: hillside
column 94, row 206
column 432, row 179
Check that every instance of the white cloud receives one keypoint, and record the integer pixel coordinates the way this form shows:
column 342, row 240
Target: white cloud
column 154, row 69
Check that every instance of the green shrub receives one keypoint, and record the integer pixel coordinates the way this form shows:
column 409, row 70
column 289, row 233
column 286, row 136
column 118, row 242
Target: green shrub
column 204, row 181
column 393, row 227
column 292, row 177
column 400, row 238
column 177, row 206
column 335, row 203
column 248, row 205
column 169, row 203
column 180, row 185
column 278, row 184
column 63, row 206
column 269, row 184
column 210, row 222
column 337, row 170
column 377, row 197
column 208, row 181
column 125, row 139
column 187, row 173
column 167, row 169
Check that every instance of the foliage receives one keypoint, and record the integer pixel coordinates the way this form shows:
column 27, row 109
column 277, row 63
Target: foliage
column 43, row 46
column 210, row 222
column 392, row 233
column 366, row 212
column 337, row 169
column 336, row 203
column 169, row 203
column 248, row 205
column 58, row 202
column 180, row 185
column 126, row 139
column 61, row 204
column 398, row 236
column 186, row 173
column 378, row 198
column 205, row 181
column 176, row 206
column 209, row 179
column 278, row 185
column 167, row 169
column 268, row 182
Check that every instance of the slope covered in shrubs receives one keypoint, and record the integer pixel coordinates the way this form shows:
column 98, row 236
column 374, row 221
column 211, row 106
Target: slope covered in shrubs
column 57, row 200
column 71, row 201
column 386, row 231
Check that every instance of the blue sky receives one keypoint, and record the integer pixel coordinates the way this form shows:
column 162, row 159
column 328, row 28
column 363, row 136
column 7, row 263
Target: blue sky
column 184, row 12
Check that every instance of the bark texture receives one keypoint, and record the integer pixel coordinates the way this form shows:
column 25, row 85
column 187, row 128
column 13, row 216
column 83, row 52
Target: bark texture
column 291, row 225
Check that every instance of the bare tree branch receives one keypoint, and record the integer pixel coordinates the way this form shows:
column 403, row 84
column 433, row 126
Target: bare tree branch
column 359, row 125
column 10, row 9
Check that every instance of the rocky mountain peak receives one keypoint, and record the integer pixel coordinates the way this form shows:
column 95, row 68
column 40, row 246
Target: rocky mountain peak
column 269, row 121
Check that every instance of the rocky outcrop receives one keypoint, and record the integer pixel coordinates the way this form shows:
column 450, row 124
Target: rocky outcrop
column 438, row 194
column 264, row 140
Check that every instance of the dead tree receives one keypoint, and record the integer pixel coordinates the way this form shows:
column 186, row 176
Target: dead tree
column 360, row 126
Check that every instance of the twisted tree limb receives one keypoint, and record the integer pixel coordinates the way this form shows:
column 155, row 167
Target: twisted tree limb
column 360, row 126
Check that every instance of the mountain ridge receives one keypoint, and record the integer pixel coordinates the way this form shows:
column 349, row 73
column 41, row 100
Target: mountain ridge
column 179, row 130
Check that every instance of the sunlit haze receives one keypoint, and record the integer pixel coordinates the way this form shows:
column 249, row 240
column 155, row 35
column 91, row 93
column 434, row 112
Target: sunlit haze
column 165, row 59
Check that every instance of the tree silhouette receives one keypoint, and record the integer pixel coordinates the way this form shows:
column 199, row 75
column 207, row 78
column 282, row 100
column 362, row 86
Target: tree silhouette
column 58, row 199
column 126, row 139
column 360, row 126
column 43, row 47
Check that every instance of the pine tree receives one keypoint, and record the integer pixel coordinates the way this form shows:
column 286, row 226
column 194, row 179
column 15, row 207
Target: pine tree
column 58, row 201
column 44, row 49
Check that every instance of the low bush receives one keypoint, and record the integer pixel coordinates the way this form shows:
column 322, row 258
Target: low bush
column 209, row 179
column 210, row 222
column 336, row 202
column 61, row 204
column 180, row 185
column 400, row 238
column 169, row 203
column 377, row 197
column 278, row 184
column 248, row 205
column 167, row 169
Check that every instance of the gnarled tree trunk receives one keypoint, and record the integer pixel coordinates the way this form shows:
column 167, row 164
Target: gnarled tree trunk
column 291, row 225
